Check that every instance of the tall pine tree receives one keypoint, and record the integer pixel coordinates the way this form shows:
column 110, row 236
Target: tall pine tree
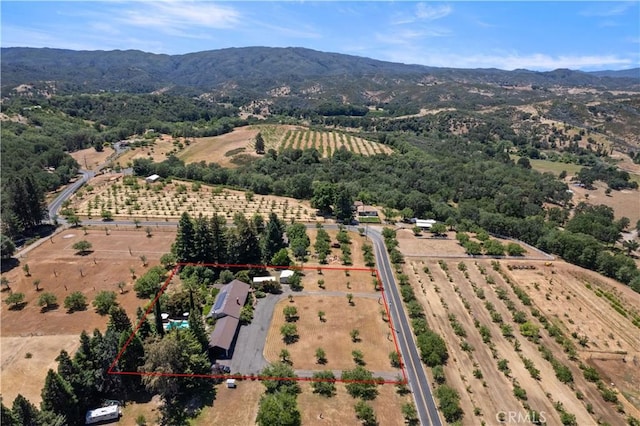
column 58, row 397
column 219, row 243
column 202, row 241
column 25, row 412
column 184, row 245
column 273, row 240
column 244, row 247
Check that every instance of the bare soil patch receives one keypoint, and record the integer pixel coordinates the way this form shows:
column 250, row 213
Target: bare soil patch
column 62, row 272
column 623, row 203
column 337, row 280
column 26, row 375
column 150, row 410
column 156, row 150
column 332, row 334
column 233, row 407
column 89, row 158
column 410, row 245
column 222, row 149
column 339, row 409
column 427, row 245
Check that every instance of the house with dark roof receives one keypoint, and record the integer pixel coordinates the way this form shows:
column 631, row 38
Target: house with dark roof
column 226, row 310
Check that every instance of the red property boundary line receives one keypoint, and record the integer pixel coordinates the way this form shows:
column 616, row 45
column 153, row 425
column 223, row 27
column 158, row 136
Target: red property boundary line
column 392, row 329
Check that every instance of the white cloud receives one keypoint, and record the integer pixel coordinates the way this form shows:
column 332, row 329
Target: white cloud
column 608, row 9
column 410, row 36
column 423, row 12
column 431, row 13
column 294, row 32
column 179, row 16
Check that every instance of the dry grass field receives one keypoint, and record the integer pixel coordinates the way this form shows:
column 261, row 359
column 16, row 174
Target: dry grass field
column 222, row 149
column 233, row 407
column 338, row 410
column 89, row 158
column 156, row 150
column 239, row 407
column 26, row 360
column 471, row 295
column 167, row 201
column 332, row 333
column 624, row 203
column 61, row 272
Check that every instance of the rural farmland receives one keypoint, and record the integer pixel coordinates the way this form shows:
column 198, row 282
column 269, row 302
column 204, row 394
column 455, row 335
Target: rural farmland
column 131, row 198
column 534, row 327
column 115, row 257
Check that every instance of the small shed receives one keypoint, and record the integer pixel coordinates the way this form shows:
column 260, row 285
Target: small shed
column 231, row 383
column 425, row 223
column 285, row 275
column 260, row 280
column 152, row 179
column 366, row 211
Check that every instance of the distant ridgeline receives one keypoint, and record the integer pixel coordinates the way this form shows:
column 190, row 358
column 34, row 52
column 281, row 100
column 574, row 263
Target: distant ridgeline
column 452, row 131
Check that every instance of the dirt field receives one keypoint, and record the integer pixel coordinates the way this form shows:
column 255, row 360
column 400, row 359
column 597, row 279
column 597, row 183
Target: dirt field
column 89, row 158
column 624, row 202
column 233, row 407
column 167, row 202
column 334, row 258
column 338, row 410
column 222, row 149
column 23, row 375
column 614, row 343
column 225, row 148
column 333, row 334
column 239, row 407
column 62, row 272
column 426, row 245
column 157, row 150
column 453, row 293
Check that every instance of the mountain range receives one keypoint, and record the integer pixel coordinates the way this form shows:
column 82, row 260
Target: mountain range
column 261, row 69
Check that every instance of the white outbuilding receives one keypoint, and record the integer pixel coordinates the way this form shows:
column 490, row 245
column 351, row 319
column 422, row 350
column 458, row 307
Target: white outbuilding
column 285, row 275
column 152, row 178
column 425, row 223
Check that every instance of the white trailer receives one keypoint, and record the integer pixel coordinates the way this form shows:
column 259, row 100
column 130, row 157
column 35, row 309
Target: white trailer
column 103, row 414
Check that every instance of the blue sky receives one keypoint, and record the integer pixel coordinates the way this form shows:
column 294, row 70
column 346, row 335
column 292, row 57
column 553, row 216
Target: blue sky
column 506, row 35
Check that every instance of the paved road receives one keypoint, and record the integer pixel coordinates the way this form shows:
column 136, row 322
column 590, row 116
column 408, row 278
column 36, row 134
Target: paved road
column 56, row 204
column 418, row 381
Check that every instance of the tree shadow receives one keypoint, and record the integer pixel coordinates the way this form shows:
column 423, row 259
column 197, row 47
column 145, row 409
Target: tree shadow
column 8, row 264
column 17, row 306
column 84, row 252
column 48, row 308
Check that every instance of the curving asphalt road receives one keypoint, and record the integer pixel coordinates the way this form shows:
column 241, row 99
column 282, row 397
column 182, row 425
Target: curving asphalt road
column 56, row 204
